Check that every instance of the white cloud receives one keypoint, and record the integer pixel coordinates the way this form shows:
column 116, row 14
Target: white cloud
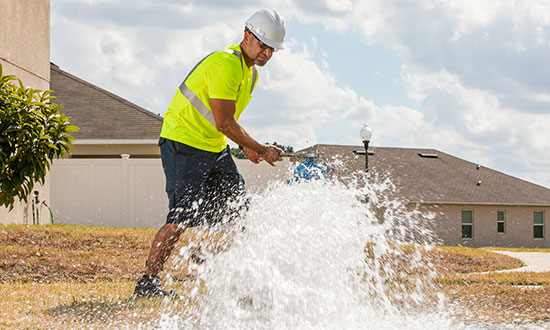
column 541, row 97
column 497, row 46
column 298, row 135
column 477, row 110
column 310, row 93
column 144, row 64
column 484, row 128
column 476, row 72
column 339, row 5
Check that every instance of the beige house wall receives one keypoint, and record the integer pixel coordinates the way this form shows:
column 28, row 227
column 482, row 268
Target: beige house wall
column 134, row 148
column 25, row 41
column 25, row 53
column 518, row 225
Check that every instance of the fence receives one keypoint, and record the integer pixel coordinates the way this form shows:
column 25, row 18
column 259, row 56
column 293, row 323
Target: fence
column 127, row 192
column 108, row 192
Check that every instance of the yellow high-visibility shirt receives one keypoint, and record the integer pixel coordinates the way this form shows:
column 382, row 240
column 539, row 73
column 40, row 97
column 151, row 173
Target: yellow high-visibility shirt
column 220, row 75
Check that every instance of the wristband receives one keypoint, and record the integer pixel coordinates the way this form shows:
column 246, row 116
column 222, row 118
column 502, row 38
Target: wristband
column 265, row 151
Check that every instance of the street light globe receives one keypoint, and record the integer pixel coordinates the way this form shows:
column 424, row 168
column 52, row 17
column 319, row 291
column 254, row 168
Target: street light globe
column 366, row 133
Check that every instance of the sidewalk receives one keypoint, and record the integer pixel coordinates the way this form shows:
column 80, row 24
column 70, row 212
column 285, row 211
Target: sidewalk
column 534, row 261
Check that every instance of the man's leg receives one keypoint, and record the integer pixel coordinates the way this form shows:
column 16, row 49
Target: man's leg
column 226, row 187
column 186, row 170
column 162, row 246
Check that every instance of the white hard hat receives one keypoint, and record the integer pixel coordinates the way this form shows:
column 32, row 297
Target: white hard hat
column 267, row 26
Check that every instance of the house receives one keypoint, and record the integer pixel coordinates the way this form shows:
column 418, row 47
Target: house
column 474, row 205
column 110, row 126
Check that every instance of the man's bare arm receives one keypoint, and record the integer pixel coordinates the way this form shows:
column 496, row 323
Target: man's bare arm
column 224, row 115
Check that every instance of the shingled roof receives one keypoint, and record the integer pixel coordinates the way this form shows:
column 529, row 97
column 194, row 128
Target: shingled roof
column 444, row 179
column 101, row 115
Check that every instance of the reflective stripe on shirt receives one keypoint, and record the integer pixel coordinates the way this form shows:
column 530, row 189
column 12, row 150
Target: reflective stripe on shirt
column 196, row 101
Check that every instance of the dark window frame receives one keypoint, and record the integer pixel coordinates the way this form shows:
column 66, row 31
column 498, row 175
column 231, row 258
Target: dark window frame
column 467, row 231
column 538, row 228
column 501, row 222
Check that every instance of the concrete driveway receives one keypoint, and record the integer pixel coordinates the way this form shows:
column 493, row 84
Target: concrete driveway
column 534, row 261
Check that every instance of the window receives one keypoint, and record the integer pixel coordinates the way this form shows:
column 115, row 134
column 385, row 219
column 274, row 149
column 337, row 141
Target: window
column 538, row 224
column 500, row 221
column 467, row 224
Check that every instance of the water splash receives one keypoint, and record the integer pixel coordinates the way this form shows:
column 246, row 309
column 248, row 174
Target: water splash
column 319, row 255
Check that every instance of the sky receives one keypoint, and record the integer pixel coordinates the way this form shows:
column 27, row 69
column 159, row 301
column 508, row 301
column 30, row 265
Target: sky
column 470, row 78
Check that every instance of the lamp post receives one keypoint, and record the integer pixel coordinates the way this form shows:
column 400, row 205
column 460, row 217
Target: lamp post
column 366, row 134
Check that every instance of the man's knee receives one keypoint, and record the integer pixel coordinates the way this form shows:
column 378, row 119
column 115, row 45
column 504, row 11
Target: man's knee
column 172, row 231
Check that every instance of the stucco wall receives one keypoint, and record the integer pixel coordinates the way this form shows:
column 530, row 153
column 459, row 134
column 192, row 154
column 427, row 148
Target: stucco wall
column 518, row 230
column 25, row 53
column 25, row 41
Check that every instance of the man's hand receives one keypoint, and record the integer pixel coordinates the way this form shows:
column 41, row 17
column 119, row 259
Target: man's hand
column 272, row 154
column 252, row 155
column 224, row 115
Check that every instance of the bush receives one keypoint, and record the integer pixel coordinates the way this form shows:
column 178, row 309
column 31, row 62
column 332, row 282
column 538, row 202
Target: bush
column 32, row 133
column 239, row 154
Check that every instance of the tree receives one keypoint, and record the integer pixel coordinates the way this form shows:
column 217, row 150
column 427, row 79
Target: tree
column 239, row 154
column 287, row 149
column 32, row 133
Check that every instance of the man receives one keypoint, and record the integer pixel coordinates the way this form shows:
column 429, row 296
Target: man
column 202, row 179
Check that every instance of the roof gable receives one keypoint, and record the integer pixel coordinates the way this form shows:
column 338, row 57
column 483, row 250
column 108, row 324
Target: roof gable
column 445, row 179
column 101, row 114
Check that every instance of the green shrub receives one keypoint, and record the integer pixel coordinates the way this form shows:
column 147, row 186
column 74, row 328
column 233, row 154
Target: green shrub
column 32, row 133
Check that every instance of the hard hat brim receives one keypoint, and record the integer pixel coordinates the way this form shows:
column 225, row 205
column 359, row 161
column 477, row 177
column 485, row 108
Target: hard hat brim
column 270, row 43
column 265, row 40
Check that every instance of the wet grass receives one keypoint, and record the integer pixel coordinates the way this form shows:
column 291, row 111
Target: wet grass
column 68, row 277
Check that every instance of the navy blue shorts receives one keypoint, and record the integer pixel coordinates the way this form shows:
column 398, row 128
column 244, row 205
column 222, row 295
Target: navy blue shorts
column 204, row 188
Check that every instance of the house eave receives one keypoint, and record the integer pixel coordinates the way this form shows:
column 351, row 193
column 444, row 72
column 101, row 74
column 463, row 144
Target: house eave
column 114, row 142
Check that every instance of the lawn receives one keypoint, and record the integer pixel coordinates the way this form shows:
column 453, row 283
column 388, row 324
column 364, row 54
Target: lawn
column 67, row 277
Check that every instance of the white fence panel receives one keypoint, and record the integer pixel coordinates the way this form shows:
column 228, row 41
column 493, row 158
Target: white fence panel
column 148, row 203
column 108, row 192
column 128, row 192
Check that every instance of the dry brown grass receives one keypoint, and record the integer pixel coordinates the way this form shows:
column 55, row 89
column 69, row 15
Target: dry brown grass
column 515, row 249
column 457, row 259
column 61, row 253
column 68, row 277
column 471, row 279
column 73, row 277
column 501, row 297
